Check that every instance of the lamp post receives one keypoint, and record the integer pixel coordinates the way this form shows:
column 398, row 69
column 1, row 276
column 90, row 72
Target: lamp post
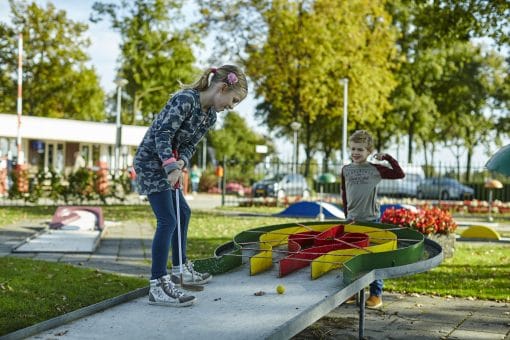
column 295, row 127
column 120, row 82
column 20, row 157
column 345, row 81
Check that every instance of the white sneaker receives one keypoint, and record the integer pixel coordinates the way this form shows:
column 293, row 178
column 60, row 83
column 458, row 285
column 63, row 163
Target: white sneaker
column 190, row 276
column 163, row 292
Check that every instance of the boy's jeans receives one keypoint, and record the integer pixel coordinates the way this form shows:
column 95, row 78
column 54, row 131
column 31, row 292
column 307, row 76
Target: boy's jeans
column 376, row 287
column 163, row 206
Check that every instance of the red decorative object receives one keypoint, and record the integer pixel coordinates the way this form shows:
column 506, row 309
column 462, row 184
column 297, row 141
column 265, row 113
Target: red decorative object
column 427, row 220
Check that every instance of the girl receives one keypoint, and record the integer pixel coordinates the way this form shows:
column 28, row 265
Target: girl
column 164, row 152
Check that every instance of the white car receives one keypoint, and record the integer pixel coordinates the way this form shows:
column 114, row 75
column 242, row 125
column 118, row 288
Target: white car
column 281, row 186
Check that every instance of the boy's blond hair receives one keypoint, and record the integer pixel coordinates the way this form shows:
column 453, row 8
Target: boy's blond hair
column 363, row 136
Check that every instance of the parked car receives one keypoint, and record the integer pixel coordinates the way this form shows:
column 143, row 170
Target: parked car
column 402, row 187
column 443, row 188
column 282, row 185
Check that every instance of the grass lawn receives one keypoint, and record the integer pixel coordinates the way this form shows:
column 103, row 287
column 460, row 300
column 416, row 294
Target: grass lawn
column 208, row 230
column 51, row 289
column 10, row 215
column 34, row 291
column 475, row 271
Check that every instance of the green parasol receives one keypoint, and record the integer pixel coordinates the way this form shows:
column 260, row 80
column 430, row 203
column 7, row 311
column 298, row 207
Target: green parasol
column 500, row 161
column 326, row 178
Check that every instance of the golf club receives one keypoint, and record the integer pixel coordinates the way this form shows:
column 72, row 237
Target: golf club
column 186, row 286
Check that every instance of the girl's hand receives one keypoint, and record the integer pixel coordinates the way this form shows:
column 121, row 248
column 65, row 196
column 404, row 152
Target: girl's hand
column 175, row 178
column 180, row 164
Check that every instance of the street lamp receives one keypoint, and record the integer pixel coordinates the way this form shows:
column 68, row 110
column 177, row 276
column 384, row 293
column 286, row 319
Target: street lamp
column 345, row 81
column 295, row 126
column 120, row 82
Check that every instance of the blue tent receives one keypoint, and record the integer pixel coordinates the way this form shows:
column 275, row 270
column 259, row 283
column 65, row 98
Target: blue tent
column 307, row 209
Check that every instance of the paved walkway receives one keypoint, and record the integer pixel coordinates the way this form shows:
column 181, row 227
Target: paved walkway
column 125, row 249
column 417, row 317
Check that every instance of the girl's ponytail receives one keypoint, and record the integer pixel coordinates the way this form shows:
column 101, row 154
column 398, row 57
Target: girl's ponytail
column 203, row 82
column 231, row 75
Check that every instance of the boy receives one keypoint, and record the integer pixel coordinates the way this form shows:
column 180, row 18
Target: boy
column 359, row 190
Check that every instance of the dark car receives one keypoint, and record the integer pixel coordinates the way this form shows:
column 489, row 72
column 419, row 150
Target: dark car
column 443, row 188
column 282, row 185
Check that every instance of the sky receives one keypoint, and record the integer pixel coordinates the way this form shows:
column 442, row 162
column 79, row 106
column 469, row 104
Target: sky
column 104, row 51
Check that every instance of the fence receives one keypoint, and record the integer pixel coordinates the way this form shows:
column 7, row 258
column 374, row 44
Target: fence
column 85, row 186
column 235, row 182
column 433, row 182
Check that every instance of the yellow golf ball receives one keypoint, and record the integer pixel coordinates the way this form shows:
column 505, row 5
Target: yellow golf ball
column 280, row 289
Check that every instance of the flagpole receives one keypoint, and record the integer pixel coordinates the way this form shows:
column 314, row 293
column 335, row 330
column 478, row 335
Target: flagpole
column 20, row 157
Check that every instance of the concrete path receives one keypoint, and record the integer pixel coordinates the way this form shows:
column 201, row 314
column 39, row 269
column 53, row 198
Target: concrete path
column 417, row 317
column 125, row 249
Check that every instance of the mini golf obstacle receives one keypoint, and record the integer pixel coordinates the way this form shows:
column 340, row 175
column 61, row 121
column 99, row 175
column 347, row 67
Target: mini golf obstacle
column 364, row 252
column 390, row 246
column 321, row 264
column 73, row 229
column 480, row 232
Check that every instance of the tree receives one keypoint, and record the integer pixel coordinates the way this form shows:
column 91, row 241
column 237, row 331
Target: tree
column 56, row 80
column 501, row 95
column 296, row 53
column 236, row 142
column 427, row 30
column 463, row 96
column 7, row 80
column 155, row 55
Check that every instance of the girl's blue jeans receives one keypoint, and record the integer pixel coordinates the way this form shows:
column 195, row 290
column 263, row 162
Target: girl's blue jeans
column 163, row 205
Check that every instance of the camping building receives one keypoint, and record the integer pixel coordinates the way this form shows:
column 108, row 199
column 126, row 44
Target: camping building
column 50, row 143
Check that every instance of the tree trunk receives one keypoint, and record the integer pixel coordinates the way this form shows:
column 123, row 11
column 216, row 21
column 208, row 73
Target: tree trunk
column 424, row 142
column 136, row 103
column 468, row 165
column 325, row 161
column 410, row 134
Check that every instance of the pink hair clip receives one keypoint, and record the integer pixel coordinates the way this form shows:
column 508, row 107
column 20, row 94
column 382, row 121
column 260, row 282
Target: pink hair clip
column 232, row 78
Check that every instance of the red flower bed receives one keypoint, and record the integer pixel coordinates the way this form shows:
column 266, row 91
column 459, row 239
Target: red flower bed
column 426, row 220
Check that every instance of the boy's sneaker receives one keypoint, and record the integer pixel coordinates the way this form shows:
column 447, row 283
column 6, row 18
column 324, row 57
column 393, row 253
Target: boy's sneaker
column 374, row 302
column 351, row 300
column 163, row 292
column 190, row 276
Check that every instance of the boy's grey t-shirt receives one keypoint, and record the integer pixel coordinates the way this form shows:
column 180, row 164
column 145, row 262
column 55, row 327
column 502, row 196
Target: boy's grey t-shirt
column 361, row 189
